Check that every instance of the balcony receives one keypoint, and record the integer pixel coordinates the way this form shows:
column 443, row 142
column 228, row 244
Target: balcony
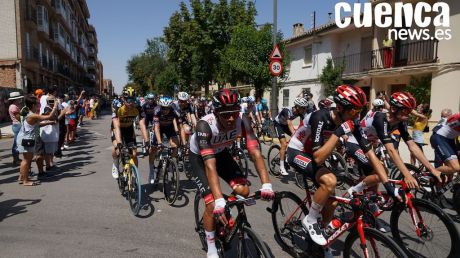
column 402, row 55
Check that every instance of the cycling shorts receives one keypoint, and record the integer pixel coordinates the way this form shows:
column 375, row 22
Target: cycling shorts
column 167, row 131
column 353, row 150
column 227, row 169
column 128, row 136
column 444, row 148
column 303, row 163
column 281, row 130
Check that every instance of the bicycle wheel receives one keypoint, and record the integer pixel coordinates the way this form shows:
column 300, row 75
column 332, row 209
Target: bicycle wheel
column 121, row 180
column 273, row 160
column 134, row 190
column 377, row 245
column 287, row 211
column 242, row 160
column 252, row 245
column 198, row 210
column 170, row 181
column 438, row 235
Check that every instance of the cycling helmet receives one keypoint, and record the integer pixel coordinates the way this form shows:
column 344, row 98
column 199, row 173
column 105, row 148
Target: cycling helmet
column 301, row 102
column 165, row 101
column 129, row 92
column 378, row 103
column 350, row 96
column 226, row 98
column 150, row 96
column 251, row 99
column 325, row 103
column 244, row 99
column 182, row 96
column 403, row 100
column 263, row 101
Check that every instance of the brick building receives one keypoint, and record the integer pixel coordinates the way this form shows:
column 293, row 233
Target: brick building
column 47, row 42
column 108, row 88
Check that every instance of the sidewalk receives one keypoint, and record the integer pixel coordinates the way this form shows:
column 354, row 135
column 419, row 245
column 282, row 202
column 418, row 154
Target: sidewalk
column 6, row 130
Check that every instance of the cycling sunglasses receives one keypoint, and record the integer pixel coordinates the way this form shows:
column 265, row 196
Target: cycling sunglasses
column 229, row 114
column 130, row 100
column 405, row 111
column 355, row 111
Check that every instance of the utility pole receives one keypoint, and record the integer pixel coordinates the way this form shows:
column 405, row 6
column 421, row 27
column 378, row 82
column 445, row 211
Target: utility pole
column 274, row 98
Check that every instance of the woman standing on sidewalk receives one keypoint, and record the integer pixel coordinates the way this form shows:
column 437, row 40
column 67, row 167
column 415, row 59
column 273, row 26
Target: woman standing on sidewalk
column 13, row 110
column 421, row 122
column 27, row 135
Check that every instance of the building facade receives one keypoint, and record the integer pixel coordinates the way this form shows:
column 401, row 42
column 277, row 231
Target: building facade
column 108, row 88
column 371, row 65
column 47, row 42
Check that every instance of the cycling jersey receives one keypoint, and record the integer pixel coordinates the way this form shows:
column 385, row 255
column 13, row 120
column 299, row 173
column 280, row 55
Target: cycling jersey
column 149, row 110
column 285, row 115
column 209, row 140
column 263, row 109
column 126, row 115
column 183, row 111
column 246, row 109
column 317, row 128
column 451, row 128
column 376, row 127
column 164, row 120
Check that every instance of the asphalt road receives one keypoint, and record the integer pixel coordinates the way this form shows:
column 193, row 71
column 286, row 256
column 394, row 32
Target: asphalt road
column 79, row 212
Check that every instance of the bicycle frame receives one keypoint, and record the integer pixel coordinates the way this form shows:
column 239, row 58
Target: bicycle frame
column 128, row 161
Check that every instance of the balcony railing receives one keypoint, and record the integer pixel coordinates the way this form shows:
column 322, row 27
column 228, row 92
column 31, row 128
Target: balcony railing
column 404, row 54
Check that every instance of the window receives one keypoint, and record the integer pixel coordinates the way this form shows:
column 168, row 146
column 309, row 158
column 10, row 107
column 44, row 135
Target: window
column 28, row 52
column 42, row 19
column 307, row 60
column 285, row 97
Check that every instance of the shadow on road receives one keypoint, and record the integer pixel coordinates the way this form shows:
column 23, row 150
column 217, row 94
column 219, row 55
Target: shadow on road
column 13, row 207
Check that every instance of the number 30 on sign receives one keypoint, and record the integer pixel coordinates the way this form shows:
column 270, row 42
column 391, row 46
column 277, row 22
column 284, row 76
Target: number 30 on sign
column 276, row 67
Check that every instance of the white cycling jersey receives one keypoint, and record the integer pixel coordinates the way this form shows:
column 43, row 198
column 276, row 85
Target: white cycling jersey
column 451, row 128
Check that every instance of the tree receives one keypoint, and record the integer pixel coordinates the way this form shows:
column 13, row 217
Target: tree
column 165, row 81
column 420, row 88
column 246, row 57
column 331, row 77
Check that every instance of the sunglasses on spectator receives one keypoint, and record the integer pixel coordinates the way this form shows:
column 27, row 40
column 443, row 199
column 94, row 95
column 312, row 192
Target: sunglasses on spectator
column 229, row 114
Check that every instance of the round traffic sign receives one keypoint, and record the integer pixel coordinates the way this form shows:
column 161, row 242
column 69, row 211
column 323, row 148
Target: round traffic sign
column 276, row 67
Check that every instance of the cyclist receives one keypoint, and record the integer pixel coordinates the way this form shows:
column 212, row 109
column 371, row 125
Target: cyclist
column 149, row 110
column 123, row 116
column 443, row 143
column 283, row 125
column 264, row 110
column 308, row 150
column 165, row 120
column 200, row 110
column 187, row 118
column 324, row 104
column 378, row 125
column 210, row 159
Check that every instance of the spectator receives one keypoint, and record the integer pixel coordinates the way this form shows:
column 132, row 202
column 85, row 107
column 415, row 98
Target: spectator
column 445, row 113
column 94, row 108
column 91, row 106
column 62, row 124
column 71, row 118
column 81, row 109
column 26, row 137
column 49, row 132
column 420, row 125
column 311, row 104
column 16, row 124
column 51, row 91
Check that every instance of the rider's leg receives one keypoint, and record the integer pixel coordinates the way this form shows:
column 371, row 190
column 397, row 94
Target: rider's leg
column 174, row 143
column 283, row 148
column 452, row 166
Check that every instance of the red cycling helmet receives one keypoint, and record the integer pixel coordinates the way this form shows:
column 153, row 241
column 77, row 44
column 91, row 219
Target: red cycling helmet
column 226, row 98
column 325, row 103
column 350, row 96
column 403, row 100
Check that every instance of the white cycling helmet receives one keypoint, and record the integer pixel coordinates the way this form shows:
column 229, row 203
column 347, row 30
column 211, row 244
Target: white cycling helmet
column 378, row 103
column 301, row 102
column 244, row 99
column 165, row 101
column 183, row 96
column 251, row 99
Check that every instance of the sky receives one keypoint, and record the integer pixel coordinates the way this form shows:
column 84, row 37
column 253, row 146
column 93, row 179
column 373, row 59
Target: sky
column 123, row 26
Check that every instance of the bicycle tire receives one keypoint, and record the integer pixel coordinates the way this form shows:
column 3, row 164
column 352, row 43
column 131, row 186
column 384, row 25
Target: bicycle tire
column 394, row 248
column 259, row 246
column 170, row 179
column 273, row 160
column 134, row 190
column 242, row 160
column 199, row 220
column 121, row 180
column 288, row 234
column 439, row 216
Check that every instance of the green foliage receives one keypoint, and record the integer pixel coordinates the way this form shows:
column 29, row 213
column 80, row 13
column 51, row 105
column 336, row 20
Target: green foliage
column 144, row 67
column 165, row 81
column 331, row 77
column 420, row 88
column 135, row 86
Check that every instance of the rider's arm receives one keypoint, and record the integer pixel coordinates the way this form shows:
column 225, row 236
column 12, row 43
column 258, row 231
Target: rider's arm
column 253, row 148
column 116, row 129
column 417, row 114
column 320, row 151
column 290, row 126
column 204, row 134
column 156, row 126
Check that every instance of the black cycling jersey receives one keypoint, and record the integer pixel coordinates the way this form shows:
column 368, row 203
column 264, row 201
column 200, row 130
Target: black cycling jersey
column 285, row 115
column 376, row 126
column 149, row 110
column 183, row 111
column 164, row 119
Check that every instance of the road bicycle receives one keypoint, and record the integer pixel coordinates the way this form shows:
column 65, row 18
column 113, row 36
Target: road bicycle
column 288, row 210
column 240, row 157
column 168, row 172
column 129, row 179
column 250, row 244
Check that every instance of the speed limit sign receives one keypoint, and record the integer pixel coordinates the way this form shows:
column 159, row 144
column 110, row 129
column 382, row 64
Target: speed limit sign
column 276, row 67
